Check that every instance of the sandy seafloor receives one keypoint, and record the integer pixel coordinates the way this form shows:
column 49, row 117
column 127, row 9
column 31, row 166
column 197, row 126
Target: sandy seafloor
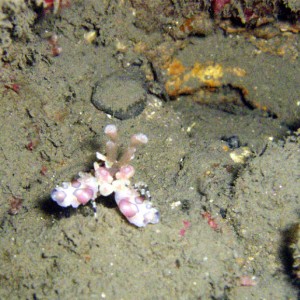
column 50, row 131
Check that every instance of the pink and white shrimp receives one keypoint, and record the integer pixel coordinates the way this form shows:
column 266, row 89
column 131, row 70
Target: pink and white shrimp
column 111, row 175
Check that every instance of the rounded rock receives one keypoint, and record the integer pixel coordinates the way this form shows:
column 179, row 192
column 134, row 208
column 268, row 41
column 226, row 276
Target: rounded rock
column 121, row 96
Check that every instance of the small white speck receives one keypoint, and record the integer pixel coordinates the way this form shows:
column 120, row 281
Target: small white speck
column 175, row 204
column 189, row 129
column 103, row 295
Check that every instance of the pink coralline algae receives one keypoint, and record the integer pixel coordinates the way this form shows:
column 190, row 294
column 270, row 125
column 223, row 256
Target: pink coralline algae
column 53, row 6
column 111, row 174
column 218, row 5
